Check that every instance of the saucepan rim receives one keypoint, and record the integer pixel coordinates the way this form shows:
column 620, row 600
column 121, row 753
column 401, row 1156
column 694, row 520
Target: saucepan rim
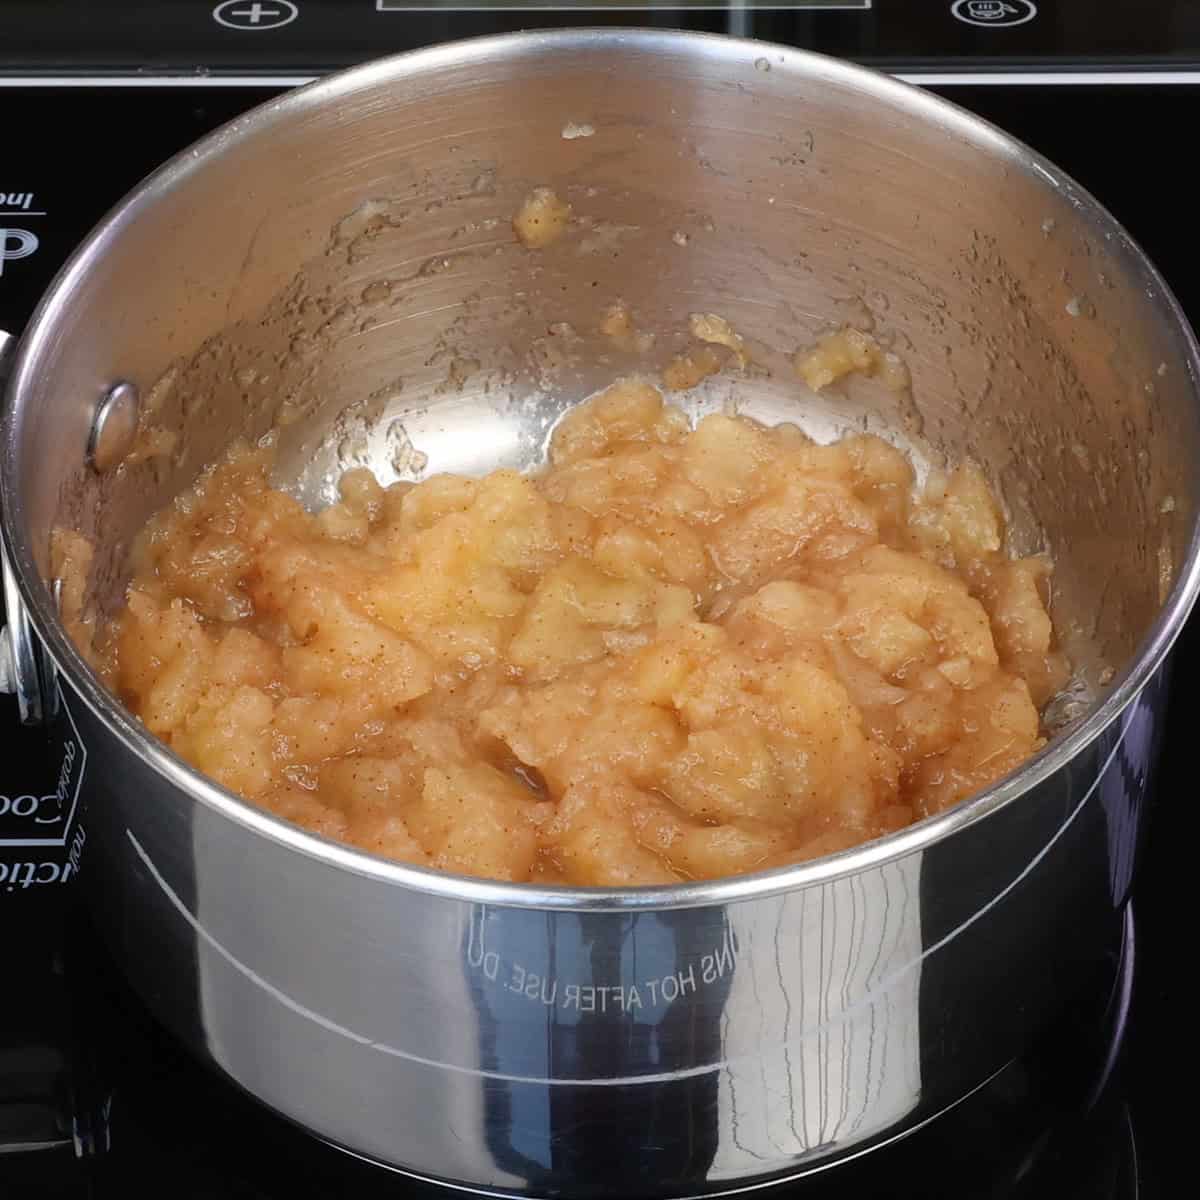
column 730, row 53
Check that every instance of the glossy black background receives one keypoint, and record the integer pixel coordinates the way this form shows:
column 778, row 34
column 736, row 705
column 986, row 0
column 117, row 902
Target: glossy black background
column 181, row 35
column 78, row 151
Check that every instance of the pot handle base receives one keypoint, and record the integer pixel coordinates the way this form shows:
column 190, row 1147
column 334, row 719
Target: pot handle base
column 20, row 673
column 19, row 654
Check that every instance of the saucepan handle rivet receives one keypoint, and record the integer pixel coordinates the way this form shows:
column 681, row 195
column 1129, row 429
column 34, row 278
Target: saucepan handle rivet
column 114, row 426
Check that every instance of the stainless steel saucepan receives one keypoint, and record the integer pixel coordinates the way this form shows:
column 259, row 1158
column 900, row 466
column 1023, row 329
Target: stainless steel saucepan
column 341, row 261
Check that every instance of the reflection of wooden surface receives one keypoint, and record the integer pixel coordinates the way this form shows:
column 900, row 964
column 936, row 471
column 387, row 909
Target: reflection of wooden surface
column 800, row 1077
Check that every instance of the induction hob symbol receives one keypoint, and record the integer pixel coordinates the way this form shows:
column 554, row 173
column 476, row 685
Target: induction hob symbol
column 991, row 14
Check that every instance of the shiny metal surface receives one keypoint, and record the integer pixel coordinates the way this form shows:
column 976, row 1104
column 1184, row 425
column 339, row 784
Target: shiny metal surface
column 538, row 1052
column 114, row 426
column 369, row 298
column 19, row 653
column 18, row 650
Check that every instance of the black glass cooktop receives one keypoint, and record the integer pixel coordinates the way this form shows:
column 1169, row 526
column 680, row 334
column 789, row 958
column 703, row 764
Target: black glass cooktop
column 94, row 1100
column 301, row 36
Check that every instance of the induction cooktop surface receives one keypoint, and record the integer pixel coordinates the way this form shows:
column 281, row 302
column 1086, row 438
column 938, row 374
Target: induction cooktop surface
column 95, row 1099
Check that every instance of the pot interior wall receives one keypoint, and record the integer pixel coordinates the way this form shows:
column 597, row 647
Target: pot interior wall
column 345, row 267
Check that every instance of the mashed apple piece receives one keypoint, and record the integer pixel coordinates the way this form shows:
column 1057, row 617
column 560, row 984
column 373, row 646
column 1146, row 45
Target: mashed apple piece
column 673, row 654
column 849, row 351
column 688, row 369
column 618, row 326
column 708, row 327
column 541, row 219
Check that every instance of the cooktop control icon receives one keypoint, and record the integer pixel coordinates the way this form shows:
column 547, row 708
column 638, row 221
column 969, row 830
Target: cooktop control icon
column 241, row 14
column 993, row 14
column 14, row 244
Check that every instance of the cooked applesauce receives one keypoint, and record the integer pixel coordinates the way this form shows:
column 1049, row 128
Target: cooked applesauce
column 673, row 654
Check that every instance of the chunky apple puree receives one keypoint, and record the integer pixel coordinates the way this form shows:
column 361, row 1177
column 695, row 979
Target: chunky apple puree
column 673, row 654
